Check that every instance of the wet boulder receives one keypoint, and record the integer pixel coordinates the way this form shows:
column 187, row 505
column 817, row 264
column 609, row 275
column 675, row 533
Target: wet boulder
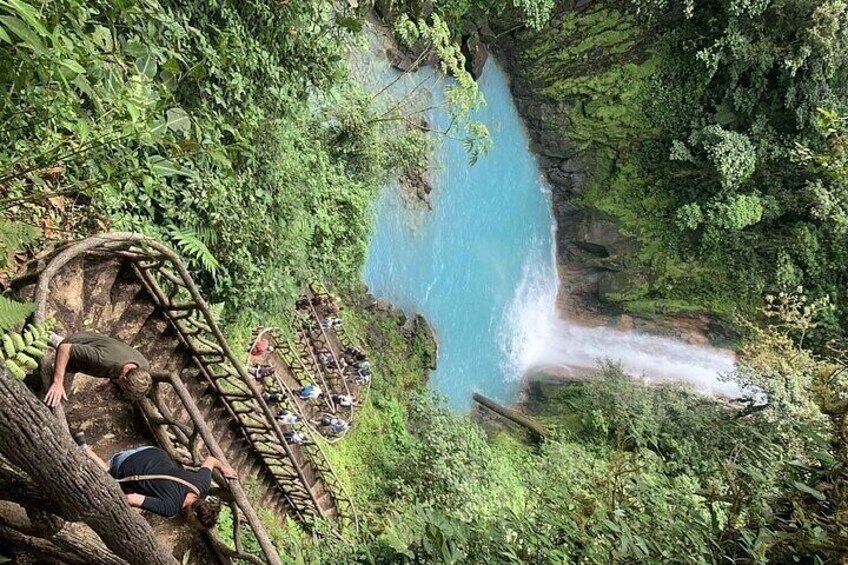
column 476, row 54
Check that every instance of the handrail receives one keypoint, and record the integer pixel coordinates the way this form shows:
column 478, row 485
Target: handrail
column 274, row 332
column 151, row 406
column 327, row 340
column 341, row 334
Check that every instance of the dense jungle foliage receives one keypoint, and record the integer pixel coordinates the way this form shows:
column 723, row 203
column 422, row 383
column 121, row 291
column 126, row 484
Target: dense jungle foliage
column 716, row 133
column 630, row 474
column 229, row 129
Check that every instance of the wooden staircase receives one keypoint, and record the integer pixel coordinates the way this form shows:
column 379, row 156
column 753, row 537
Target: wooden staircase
column 137, row 290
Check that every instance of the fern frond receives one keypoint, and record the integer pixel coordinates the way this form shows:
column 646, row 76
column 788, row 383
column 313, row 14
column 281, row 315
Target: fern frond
column 15, row 236
column 13, row 313
column 206, row 234
column 217, row 311
column 190, row 244
column 20, row 352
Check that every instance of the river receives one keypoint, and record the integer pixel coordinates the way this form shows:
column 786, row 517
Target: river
column 480, row 266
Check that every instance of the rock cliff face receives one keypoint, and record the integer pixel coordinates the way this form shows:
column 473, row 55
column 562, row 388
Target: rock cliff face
column 588, row 242
column 595, row 261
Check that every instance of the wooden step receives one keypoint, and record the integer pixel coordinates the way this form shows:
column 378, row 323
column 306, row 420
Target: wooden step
column 133, row 319
column 100, row 276
column 121, row 297
column 151, row 339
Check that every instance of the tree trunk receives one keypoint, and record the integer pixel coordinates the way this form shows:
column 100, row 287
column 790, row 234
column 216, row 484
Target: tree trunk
column 72, row 543
column 33, row 440
column 512, row 415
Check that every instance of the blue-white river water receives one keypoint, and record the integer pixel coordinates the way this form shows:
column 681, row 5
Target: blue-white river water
column 480, row 265
column 460, row 264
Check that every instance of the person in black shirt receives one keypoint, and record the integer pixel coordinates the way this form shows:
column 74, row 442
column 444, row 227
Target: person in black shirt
column 165, row 496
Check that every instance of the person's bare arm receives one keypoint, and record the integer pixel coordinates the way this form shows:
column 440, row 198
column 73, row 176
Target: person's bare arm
column 135, row 500
column 96, row 458
column 211, row 463
column 56, row 393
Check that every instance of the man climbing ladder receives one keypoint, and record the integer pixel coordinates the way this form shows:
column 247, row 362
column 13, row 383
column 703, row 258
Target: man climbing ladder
column 99, row 356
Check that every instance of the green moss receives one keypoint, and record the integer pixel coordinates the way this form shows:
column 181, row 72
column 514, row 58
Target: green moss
column 647, row 308
column 593, row 64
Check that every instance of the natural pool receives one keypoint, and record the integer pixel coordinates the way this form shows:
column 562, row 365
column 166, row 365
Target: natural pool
column 460, row 263
column 480, row 266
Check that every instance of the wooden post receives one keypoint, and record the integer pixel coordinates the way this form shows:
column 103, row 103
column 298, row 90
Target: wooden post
column 238, row 494
column 512, row 415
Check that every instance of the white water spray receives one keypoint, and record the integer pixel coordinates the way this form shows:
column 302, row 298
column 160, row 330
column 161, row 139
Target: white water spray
column 535, row 339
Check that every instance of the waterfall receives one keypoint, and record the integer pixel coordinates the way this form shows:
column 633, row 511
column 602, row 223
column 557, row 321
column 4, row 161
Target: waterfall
column 534, row 339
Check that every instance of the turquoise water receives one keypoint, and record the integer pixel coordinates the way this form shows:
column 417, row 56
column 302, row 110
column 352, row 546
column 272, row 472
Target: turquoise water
column 462, row 263
column 480, row 264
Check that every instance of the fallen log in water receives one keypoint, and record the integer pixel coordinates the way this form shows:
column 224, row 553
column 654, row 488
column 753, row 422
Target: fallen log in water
column 512, row 415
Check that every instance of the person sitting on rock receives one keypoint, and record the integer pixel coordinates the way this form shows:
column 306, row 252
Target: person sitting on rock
column 362, row 377
column 295, row 438
column 261, row 346
column 99, row 356
column 273, row 397
column 287, row 418
column 310, row 392
column 153, row 482
column 331, row 322
column 354, row 354
column 345, row 400
column 260, row 372
column 336, row 426
column 331, row 309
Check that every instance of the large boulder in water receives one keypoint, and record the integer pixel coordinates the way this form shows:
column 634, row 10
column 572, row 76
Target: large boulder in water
column 400, row 60
column 476, row 54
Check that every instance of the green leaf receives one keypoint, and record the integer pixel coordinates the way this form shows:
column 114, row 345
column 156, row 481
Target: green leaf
column 159, row 127
column 191, row 244
column 809, row 490
column 136, row 48
column 146, row 65
column 73, row 66
column 23, row 31
column 5, row 36
column 29, row 14
column 13, row 313
column 351, row 24
column 178, row 120
column 164, row 167
column 84, row 86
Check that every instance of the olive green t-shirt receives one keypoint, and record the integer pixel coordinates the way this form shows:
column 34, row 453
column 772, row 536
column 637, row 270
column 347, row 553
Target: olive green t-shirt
column 101, row 356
